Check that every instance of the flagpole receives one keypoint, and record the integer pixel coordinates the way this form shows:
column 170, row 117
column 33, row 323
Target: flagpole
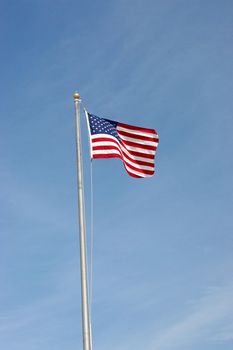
column 82, row 234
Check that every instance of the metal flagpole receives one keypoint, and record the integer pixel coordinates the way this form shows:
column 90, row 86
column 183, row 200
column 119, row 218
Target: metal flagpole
column 87, row 344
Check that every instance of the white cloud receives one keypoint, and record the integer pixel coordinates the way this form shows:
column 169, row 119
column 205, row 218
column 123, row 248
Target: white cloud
column 201, row 323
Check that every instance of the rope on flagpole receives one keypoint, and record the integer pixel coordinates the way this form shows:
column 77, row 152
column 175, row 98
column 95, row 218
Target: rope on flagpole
column 91, row 247
column 89, row 270
column 92, row 236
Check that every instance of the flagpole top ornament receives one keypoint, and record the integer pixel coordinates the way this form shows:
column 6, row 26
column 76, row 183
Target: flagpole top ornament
column 76, row 96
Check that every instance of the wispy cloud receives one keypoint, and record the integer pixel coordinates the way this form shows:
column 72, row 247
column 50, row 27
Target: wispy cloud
column 201, row 323
column 225, row 334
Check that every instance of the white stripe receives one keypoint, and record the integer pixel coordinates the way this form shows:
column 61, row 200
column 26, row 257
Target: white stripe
column 135, row 132
column 136, row 149
column 142, row 142
column 143, row 159
column 112, row 151
column 127, row 167
column 115, row 139
column 105, row 143
column 124, row 150
column 144, row 167
column 136, row 172
column 107, row 151
column 97, row 136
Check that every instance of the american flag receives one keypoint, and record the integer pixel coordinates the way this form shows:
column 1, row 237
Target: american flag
column 136, row 146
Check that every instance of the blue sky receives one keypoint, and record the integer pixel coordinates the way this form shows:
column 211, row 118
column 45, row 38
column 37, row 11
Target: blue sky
column 162, row 274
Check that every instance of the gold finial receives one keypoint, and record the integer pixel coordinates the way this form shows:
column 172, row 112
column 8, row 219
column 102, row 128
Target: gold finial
column 76, row 96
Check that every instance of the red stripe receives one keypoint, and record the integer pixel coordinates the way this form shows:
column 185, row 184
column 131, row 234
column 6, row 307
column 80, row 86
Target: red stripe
column 104, row 139
column 107, row 156
column 117, row 147
column 135, row 153
column 139, row 145
column 99, row 148
column 141, row 154
column 117, row 156
column 139, row 137
column 139, row 162
column 143, row 171
column 136, row 128
column 123, row 157
column 129, row 143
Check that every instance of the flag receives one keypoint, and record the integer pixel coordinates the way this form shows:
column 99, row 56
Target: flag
column 136, row 146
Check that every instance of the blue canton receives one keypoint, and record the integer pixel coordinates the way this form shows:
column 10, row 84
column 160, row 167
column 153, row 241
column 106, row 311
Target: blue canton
column 102, row 126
